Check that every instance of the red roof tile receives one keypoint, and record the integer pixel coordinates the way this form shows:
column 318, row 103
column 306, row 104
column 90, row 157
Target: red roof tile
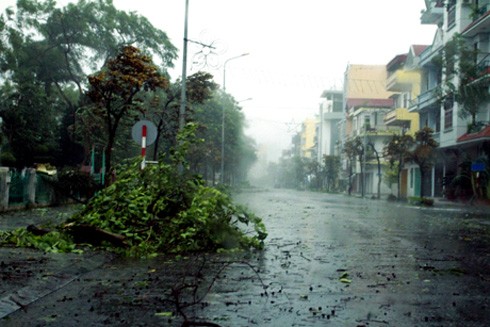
column 484, row 133
column 419, row 48
column 397, row 61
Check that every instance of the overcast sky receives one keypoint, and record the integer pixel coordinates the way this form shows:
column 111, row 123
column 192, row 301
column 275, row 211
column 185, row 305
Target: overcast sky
column 297, row 49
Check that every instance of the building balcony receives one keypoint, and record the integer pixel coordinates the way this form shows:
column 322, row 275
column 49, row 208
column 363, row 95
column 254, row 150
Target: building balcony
column 480, row 11
column 427, row 99
column 480, row 24
column 401, row 117
column 427, row 56
column 483, row 74
column 434, row 12
column 403, row 81
column 377, row 131
column 333, row 115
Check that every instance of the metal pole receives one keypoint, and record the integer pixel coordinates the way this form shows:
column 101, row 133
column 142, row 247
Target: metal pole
column 222, row 177
column 183, row 99
column 143, row 146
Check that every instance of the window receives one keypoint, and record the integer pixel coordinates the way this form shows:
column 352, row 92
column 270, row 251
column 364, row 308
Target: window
column 448, row 111
column 451, row 14
column 406, row 100
column 367, row 122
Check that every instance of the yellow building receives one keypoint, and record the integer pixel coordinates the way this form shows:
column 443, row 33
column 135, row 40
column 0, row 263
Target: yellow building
column 404, row 80
column 308, row 138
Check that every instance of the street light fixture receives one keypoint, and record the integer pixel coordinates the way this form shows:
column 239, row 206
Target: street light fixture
column 222, row 177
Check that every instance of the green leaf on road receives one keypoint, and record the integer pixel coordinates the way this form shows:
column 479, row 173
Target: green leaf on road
column 164, row 314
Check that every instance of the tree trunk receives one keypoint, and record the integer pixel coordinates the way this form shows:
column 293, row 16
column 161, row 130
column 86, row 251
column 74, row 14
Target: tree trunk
column 379, row 176
column 399, row 172
column 362, row 175
column 349, row 190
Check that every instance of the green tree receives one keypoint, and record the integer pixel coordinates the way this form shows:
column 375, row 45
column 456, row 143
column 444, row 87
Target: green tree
column 397, row 152
column 354, row 149
column 163, row 107
column 29, row 125
column 331, row 166
column 114, row 90
column 313, row 172
column 459, row 58
column 237, row 149
column 290, row 172
column 55, row 48
column 424, row 154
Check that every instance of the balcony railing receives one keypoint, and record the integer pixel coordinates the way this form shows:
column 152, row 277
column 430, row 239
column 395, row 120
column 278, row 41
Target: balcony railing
column 482, row 72
column 427, row 98
column 377, row 131
column 482, row 10
column 484, row 68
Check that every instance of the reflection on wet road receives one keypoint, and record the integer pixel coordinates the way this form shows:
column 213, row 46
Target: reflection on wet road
column 356, row 262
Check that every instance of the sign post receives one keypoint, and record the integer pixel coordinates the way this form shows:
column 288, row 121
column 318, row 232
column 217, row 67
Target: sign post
column 143, row 146
column 144, row 133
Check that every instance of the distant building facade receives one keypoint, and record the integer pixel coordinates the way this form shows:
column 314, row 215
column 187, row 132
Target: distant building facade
column 330, row 114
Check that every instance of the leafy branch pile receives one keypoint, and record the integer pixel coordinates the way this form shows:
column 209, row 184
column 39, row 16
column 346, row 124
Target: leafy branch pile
column 53, row 241
column 159, row 210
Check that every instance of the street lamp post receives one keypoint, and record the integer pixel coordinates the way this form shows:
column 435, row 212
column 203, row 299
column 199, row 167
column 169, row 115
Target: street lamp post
column 222, row 177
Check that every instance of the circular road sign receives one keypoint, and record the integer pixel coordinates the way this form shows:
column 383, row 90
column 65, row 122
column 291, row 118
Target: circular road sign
column 151, row 132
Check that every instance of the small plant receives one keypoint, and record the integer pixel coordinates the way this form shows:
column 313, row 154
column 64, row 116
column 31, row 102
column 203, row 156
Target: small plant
column 416, row 200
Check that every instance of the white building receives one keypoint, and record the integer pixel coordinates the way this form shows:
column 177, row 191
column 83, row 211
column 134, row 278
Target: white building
column 330, row 114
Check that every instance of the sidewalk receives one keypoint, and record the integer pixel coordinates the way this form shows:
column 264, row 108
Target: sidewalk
column 29, row 275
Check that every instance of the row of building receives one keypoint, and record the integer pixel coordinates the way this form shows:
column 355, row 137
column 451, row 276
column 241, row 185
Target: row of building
column 410, row 92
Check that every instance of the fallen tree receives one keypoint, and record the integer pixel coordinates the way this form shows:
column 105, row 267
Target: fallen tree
column 161, row 209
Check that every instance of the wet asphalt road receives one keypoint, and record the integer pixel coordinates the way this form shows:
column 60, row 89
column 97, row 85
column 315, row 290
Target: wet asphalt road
column 330, row 260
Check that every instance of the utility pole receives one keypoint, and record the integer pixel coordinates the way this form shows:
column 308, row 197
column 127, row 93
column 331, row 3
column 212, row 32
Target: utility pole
column 183, row 94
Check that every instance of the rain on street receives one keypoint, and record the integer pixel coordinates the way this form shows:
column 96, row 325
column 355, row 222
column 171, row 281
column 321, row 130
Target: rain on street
column 358, row 262
column 329, row 259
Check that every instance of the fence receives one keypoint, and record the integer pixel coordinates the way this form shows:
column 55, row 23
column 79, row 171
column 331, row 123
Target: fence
column 21, row 189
